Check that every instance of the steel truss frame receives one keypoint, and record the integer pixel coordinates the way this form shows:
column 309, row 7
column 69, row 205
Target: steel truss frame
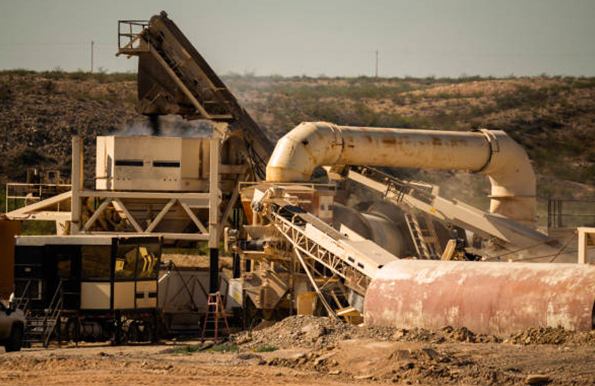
column 187, row 201
column 296, row 236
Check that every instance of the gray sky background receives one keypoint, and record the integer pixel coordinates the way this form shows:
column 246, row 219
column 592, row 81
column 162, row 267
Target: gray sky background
column 335, row 38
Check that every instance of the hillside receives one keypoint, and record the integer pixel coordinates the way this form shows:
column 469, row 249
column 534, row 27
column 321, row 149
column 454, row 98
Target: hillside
column 552, row 117
column 40, row 112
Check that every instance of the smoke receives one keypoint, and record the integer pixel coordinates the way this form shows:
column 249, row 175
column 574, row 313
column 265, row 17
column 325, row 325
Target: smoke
column 168, row 126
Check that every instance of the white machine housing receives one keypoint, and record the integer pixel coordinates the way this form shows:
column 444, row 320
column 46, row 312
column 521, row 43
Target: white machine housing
column 145, row 163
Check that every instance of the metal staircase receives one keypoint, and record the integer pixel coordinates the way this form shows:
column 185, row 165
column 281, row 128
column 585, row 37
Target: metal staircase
column 22, row 303
column 40, row 328
column 423, row 235
column 420, row 225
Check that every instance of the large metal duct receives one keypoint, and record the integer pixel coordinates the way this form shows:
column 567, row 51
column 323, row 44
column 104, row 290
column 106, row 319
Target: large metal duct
column 492, row 152
column 484, row 297
column 381, row 230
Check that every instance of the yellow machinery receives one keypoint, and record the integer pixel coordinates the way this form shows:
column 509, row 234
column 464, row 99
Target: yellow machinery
column 297, row 238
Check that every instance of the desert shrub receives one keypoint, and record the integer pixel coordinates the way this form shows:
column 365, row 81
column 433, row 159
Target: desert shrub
column 187, row 349
column 17, row 72
column 5, row 92
column 583, row 82
column 55, row 74
column 30, row 156
column 225, row 348
column 266, row 348
column 49, row 87
column 78, row 75
column 523, row 96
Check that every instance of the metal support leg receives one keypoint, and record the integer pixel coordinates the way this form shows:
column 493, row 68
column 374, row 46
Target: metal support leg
column 214, row 160
column 328, row 308
column 77, row 183
column 213, row 270
column 236, row 266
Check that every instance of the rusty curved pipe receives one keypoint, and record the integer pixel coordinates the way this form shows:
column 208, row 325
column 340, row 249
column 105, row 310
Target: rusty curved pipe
column 492, row 152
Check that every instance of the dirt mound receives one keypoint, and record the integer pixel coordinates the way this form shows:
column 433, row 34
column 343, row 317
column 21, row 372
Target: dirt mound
column 426, row 364
column 551, row 335
column 298, row 331
column 316, row 332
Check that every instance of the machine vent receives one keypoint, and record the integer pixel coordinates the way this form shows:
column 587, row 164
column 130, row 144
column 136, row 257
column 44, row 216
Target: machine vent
column 166, row 164
column 127, row 162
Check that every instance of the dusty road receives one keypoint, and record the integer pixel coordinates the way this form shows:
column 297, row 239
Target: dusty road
column 360, row 361
column 146, row 365
column 314, row 351
column 153, row 365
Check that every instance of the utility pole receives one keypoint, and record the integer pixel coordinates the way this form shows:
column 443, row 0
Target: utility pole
column 92, row 43
column 376, row 74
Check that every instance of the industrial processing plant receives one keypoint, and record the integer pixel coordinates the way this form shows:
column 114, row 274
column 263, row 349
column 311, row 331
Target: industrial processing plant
column 277, row 262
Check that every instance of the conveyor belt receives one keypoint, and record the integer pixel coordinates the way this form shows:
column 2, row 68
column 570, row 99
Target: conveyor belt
column 507, row 233
column 357, row 262
column 173, row 78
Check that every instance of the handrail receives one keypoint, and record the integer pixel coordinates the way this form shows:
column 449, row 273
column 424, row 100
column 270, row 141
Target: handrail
column 22, row 297
column 395, row 185
column 31, row 191
column 144, row 24
column 52, row 313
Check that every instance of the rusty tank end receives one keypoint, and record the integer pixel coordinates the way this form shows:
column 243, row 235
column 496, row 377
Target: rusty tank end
column 485, row 297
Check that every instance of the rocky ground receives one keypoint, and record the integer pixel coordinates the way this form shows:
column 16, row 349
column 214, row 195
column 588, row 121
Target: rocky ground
column 306, row 350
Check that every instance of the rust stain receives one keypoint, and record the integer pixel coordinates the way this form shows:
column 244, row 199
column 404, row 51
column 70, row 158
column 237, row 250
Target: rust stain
column 389, row 141
column 436, row 141
column 458, row 142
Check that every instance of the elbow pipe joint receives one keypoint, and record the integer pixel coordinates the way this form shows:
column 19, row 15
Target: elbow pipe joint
column 301, row 150
column 492, row 152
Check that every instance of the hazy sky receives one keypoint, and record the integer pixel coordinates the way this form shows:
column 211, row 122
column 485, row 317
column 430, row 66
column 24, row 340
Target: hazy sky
column 335, row 38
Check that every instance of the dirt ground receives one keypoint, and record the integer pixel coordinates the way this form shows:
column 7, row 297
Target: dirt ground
column 313, row 351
